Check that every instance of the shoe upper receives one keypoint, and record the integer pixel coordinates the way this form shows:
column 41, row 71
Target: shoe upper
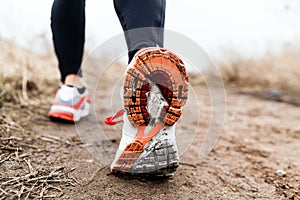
column 70, row 104
column 69, row 96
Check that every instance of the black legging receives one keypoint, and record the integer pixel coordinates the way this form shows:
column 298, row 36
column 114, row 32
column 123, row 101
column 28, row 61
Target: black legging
column 68, row 28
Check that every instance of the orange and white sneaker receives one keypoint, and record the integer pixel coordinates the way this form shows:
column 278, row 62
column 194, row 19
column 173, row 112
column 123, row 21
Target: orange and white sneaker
column 155, row 90
column 70, row 104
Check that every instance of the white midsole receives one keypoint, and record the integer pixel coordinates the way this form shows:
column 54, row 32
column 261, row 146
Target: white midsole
column 77, row 114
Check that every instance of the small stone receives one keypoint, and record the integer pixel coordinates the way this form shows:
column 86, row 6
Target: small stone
column 274, row 93
column 285, row 187
column 281, row 173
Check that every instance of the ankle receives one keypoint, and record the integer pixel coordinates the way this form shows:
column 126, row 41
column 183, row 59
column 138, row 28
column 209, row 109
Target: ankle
column 74, row 80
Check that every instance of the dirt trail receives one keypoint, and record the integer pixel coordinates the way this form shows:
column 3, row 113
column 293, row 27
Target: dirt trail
column 256, row 157
column 259, row 138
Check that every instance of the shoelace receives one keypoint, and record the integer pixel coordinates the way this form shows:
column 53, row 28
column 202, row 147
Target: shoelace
column 110, row 120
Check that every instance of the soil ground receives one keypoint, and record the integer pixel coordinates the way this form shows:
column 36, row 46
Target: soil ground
column 256, row 156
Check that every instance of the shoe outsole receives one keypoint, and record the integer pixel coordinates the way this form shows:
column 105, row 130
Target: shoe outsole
column 163, row 68
column 61, row 117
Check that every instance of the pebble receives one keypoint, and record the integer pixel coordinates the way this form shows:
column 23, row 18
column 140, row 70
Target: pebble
column 275, row 93
column 281, row 173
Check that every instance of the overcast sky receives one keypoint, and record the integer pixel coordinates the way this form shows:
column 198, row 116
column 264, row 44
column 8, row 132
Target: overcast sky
column 247, row 26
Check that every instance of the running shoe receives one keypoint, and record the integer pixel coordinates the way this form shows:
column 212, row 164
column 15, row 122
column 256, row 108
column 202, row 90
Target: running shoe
column 154, row 92
column 70, row 104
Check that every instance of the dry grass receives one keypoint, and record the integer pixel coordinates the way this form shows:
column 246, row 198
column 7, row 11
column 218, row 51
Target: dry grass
column 275, row 75
column 23, row 72
column 280, row 71
column 25, row 94
column 15, row 60
column 26, row 169
column 21, row 175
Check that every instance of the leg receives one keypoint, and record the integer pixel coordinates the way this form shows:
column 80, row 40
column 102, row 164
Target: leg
column 68, row 24
column 148, row 14
column 154, row 92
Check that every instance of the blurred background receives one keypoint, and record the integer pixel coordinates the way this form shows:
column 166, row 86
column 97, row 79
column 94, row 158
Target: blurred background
column 254, row 43
column 250, row 27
